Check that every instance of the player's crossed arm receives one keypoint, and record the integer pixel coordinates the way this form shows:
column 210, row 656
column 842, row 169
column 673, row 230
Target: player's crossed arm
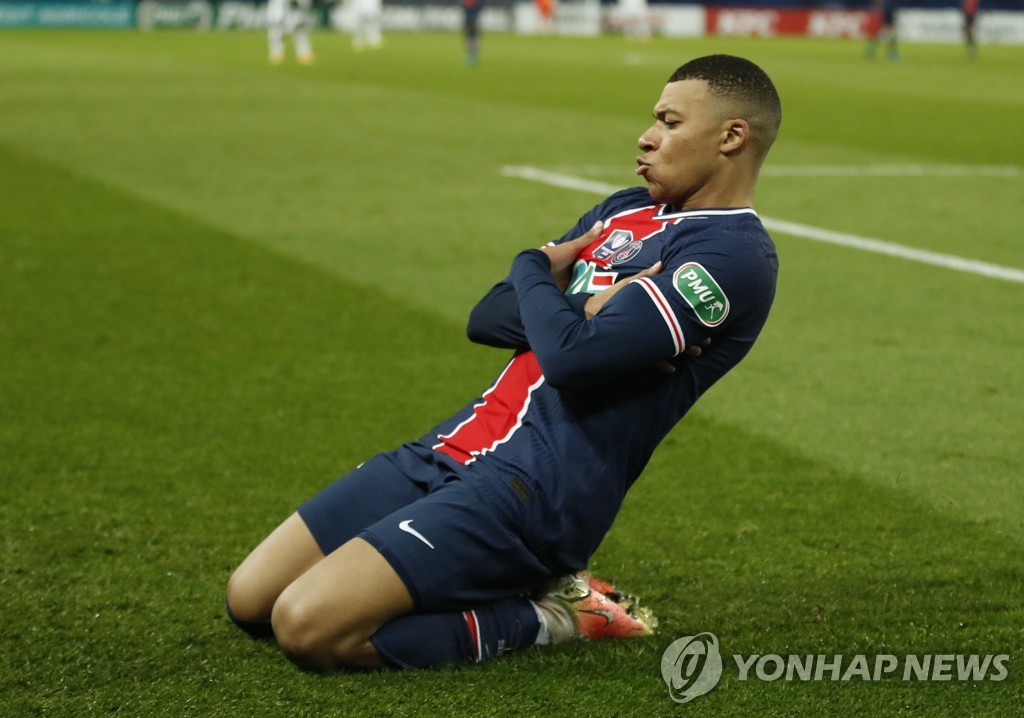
column 624, row 335
column 563, row 256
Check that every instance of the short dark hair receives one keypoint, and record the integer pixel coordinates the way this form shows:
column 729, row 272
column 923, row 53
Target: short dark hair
column 742, row 82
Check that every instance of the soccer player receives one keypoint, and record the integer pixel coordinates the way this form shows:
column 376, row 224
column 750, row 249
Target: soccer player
column 635, row 18
column 471, row 30
column 886, row 32
column 367, row 33
column 546, row 9
column 969, row 8
column 444, row 551
column 286, row 17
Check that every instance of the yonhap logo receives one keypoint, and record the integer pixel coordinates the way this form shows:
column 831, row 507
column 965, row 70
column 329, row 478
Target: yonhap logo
column 691, row 666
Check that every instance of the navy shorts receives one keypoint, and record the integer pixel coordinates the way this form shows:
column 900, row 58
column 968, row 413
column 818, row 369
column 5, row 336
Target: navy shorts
column 453, row 545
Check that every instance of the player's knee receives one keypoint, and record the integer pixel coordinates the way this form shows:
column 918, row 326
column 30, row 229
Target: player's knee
column 303, row 635
column 295, row 630
column 250, row 615
column 244, row 601
column 313, row 643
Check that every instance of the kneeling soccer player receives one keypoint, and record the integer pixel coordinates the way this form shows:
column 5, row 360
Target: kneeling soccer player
column 473, row 540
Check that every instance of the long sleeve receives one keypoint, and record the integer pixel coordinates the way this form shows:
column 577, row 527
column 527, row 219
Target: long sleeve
column 627, row 335
column 495, row 320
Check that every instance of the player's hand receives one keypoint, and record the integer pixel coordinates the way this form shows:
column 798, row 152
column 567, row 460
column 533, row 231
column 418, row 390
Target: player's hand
column 597, row 301
column 563, row 256
column 694, row 350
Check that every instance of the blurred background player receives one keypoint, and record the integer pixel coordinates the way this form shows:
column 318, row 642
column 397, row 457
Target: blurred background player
column 546, row 8
column 635, row 19
column 289, row 17
column 970, row 11
column 366, row 33
column 886, row 32
column 471, row 30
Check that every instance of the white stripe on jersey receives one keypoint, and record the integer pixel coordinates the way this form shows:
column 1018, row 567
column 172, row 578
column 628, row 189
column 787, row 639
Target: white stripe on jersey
column 665, row 309
column 704, row 213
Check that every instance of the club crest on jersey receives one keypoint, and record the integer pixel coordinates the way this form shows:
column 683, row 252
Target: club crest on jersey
column 631, row 250
column 700, row 290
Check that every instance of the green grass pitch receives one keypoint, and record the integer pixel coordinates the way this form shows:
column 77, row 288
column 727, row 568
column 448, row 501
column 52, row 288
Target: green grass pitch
column 224, row 283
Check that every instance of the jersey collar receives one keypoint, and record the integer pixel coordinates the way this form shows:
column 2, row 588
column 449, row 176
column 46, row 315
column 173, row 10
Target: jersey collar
column 664, row 213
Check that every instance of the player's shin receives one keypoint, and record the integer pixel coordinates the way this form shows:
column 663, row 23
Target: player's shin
column 428, row 640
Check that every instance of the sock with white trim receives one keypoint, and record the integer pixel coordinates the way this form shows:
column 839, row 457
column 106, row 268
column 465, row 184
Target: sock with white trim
column 428, row 640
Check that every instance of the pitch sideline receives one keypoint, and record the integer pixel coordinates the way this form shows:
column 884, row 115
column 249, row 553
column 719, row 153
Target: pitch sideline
column 854, row 241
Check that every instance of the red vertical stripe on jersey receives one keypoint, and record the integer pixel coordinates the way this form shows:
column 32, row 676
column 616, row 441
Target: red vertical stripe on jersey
column 474, row 634
column 496, row 418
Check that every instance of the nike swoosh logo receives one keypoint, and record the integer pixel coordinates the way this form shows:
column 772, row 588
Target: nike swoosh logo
column 407, row 527
column 608, row 616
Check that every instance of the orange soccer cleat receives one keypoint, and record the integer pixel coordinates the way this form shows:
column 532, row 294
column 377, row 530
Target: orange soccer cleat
column 576, row 608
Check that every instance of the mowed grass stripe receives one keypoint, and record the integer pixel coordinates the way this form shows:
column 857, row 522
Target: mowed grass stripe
column 103, row 286
column 169, row 393
column 176, row 390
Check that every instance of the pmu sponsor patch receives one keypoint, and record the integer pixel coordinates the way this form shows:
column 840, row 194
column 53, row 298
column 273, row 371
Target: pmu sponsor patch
column 701, row 291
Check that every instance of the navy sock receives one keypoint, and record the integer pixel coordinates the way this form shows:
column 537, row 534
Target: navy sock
column 428, row 640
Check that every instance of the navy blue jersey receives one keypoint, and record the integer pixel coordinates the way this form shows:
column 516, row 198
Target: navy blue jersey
column 574, row 417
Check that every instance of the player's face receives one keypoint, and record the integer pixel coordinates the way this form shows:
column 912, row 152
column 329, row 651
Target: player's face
column 681, row 157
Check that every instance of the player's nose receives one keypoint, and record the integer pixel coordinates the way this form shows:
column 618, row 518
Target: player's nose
column 647, row 142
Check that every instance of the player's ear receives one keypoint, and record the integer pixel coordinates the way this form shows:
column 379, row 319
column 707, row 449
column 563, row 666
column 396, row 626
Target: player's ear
column 735, row 136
